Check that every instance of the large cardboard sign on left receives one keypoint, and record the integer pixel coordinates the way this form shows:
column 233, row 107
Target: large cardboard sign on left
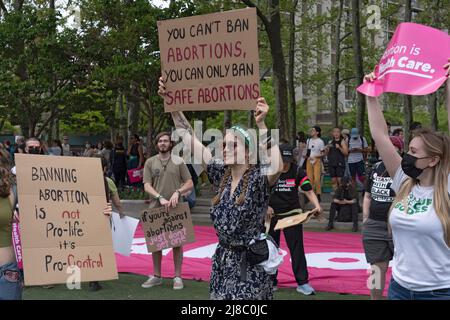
column 65, row 235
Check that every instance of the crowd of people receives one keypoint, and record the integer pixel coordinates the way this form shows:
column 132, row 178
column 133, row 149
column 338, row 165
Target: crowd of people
column 405, row 202
column 119, row 158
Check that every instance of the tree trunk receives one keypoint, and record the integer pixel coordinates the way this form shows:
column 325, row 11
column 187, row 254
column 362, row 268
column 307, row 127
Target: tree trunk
column 433, row 98
column 51, row 132
column 359, row 71
column 227, row 119
column 293, row 104
column 272, row 25
column 304, row 55
column 432, row 108
column 133, row 115
column 407, row 100
column 336, row 76
column 319, row 62
column 250, row 119
column 122, row 118
column 151, row 126
column 279, row 69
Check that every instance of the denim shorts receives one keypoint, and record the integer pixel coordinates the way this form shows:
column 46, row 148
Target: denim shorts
column 357, row 168
column 11, row 282
column 397, row 292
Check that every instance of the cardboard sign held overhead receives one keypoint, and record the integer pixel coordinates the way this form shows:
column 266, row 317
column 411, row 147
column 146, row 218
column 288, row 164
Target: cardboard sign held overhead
column 167, row 230
column 210, row 62
column 61, row 203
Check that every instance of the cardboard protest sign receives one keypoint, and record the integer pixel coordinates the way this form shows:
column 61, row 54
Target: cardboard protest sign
column 62, row 225
column 294, row 220
column 413, row 62
column 211, row 62
column 167, row 230
column 123, row 230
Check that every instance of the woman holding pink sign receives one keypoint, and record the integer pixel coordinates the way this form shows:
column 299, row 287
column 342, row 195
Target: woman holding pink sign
column 11, row 278
column 420, row 214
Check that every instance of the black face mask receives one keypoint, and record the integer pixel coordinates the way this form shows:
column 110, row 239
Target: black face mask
column 409, row 166
column 34, row 150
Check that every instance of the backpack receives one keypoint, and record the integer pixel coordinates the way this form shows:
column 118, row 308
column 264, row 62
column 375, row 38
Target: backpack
column 362, row 147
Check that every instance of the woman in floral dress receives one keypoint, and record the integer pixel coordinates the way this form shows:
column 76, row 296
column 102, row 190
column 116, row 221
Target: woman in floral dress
column 240, row 205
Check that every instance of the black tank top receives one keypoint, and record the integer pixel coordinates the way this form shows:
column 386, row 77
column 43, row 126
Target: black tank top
column 134, row 150
column 335, row 157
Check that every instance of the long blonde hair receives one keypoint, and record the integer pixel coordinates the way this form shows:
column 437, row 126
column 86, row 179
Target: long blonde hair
column 436, row 145
column 239, row 200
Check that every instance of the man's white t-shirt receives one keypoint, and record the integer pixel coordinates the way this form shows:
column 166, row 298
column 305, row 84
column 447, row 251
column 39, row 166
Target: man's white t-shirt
column 421, row 256
column 316, row 145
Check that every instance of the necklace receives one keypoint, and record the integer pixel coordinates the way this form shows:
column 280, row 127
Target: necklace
column 164, row 165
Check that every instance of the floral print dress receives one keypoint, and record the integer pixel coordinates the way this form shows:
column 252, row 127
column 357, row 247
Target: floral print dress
column 238, row 225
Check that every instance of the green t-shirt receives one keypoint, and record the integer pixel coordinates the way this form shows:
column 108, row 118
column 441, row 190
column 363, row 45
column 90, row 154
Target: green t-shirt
column 112, row 187
column 165, row 180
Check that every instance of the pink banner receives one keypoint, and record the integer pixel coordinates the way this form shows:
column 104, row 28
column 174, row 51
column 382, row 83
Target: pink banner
column 413, row 62
column 336, row 261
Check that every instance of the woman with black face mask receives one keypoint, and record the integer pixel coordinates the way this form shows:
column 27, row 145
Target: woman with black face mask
column 420, row 214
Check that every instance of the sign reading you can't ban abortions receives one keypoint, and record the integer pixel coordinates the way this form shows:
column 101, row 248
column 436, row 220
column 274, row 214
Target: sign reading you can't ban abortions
column 210, row 62
column 61, row 203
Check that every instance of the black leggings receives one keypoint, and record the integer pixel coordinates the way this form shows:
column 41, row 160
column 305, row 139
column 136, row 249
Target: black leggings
column 120, row 177
column 294, row 240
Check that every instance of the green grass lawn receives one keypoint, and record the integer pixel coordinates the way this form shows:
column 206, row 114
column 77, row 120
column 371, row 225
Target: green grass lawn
column 128, row 287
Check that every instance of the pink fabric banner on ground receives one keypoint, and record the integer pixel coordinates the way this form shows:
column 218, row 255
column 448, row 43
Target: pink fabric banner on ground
column 413, row 62
column 336, row 261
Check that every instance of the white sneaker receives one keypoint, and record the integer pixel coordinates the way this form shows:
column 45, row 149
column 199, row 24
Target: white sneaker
column 306, row 289
column 177, row 283
column 152, row 281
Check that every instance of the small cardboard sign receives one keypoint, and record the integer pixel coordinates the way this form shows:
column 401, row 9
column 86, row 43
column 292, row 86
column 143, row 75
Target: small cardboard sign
column 64, row 234
column 167, row 229
column 210, row 62
column 413, row 62
column 294, row 220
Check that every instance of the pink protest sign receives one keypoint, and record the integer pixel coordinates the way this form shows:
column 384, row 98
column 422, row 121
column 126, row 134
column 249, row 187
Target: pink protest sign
column 17, row 244
column 413, row 62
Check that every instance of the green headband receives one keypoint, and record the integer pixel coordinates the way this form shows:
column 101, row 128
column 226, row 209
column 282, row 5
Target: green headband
column 245, row 134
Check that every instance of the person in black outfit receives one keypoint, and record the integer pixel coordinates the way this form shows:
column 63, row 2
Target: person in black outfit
column 119, row 163
column 284, row 199
column 191, row 196
column 135, row 153
column 377, row 240
column 345, row 201
column 336, row 152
